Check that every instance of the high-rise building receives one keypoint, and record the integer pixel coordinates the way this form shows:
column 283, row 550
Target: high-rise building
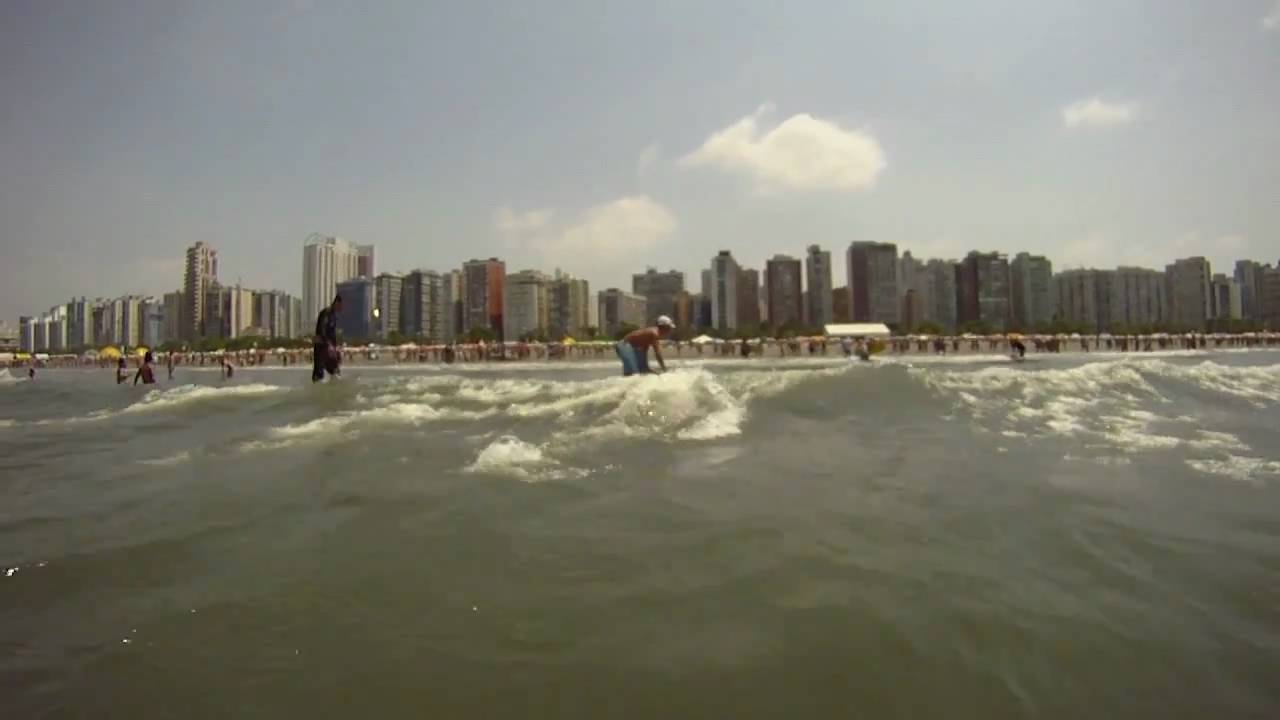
column 152, row 314
column 1225, row 299
column 356, row 321
column 27, row 334
column 783, row 291
column 201, row 274
column 297, row 326
column 684, row 310
column 819, row 310
column 387, row 289
column 451, row 294
column 483, row 282
column 873, row 282
column 659, row 290
column 1268, row 298
column 913, row 284
column 1190, row 302
column 939, row 305
column 982, row 291
column 749, row 310
column 840, row 312
column 364, row 262
column 570, row 301
column 174, row 322
column 1031, row 283
column 327, row 261
column 721, row 286
column 423, row 309
column 1083, row 298
column 526, row 309
column 79, row 323
column 1248, row 275
column 620, row 310
column 237, row 311
column 1138, row 300
column 273, row 313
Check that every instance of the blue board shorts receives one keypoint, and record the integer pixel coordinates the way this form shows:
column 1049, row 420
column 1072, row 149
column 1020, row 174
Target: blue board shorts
column 632, row 362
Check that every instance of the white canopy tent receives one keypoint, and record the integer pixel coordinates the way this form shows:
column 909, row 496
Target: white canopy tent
column 868, row 330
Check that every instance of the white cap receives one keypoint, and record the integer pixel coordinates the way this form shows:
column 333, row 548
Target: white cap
column 664, row 321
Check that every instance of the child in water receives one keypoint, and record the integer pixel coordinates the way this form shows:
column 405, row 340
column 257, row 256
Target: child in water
column 146, row 371
column 122, row 372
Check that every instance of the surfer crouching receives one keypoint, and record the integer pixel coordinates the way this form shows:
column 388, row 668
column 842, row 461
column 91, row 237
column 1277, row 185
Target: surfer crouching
column 633, row 350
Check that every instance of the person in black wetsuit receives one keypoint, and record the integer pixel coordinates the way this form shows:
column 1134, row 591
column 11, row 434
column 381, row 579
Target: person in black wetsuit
column 324, row 352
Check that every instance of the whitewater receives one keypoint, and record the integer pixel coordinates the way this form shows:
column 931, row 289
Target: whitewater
column 1076, row 535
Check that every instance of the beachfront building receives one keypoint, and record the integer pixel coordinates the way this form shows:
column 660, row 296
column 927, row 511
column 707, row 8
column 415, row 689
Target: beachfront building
column 451, row 297
column 659, row 290
column 1268, row 298
column 569, row 306
column 1225, row 299
column 819, row 310
column 387, row 289
column 424, row 310
column 940, row 298
column 1189, row 291
column 748, row 289
column 356, row 321
column 526, row 311
column 200, row 275
column 151, row 314
column 1137, row 299
column 1083, row 298
column 720, row 286
column 273, row 313
column 783, row 291
column 174, row 324
column 982, row 291
column 483, row 282
column 620, row 310
column 364, row 261
column 326, row 262
column 1249, row 276
column 873, row 282
column 1031, row 291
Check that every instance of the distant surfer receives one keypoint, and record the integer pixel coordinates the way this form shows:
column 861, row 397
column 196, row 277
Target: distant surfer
column 633, row 350
column 862, row 351
column 146, row 371
column 1017, row 349
column 324, row 352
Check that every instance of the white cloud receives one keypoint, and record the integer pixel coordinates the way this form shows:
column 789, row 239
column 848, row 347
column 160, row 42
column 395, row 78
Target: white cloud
column 605, row 239
column 1272, row 20
column 1095, row 112
column 507, row 221
column 648, row 157
column 801, row 153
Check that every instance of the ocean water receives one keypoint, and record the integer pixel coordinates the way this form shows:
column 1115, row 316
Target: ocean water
column 1074, row 536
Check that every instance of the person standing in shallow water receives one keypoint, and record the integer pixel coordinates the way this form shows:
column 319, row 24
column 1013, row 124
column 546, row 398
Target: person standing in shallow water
column 633, row 350
column 122, row 372
column 324, row 350
column 146, row 371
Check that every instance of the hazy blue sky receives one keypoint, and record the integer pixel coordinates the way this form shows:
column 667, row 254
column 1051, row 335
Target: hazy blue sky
column 601, row 137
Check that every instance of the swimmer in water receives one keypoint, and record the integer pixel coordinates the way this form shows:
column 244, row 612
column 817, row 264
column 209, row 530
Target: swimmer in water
column 633, row 350
column 146, row 371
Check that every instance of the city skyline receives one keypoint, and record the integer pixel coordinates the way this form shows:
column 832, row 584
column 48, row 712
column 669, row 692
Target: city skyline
column 1095, row 135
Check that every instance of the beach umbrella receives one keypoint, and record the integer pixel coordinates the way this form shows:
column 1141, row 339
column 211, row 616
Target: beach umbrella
column 110, row 352
column 569, row 341
column 140, row 351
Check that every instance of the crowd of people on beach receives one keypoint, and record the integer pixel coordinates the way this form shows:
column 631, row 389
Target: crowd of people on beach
column 226, row 362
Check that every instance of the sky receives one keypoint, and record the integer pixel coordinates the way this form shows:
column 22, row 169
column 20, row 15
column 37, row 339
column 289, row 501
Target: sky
column 603, row 137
